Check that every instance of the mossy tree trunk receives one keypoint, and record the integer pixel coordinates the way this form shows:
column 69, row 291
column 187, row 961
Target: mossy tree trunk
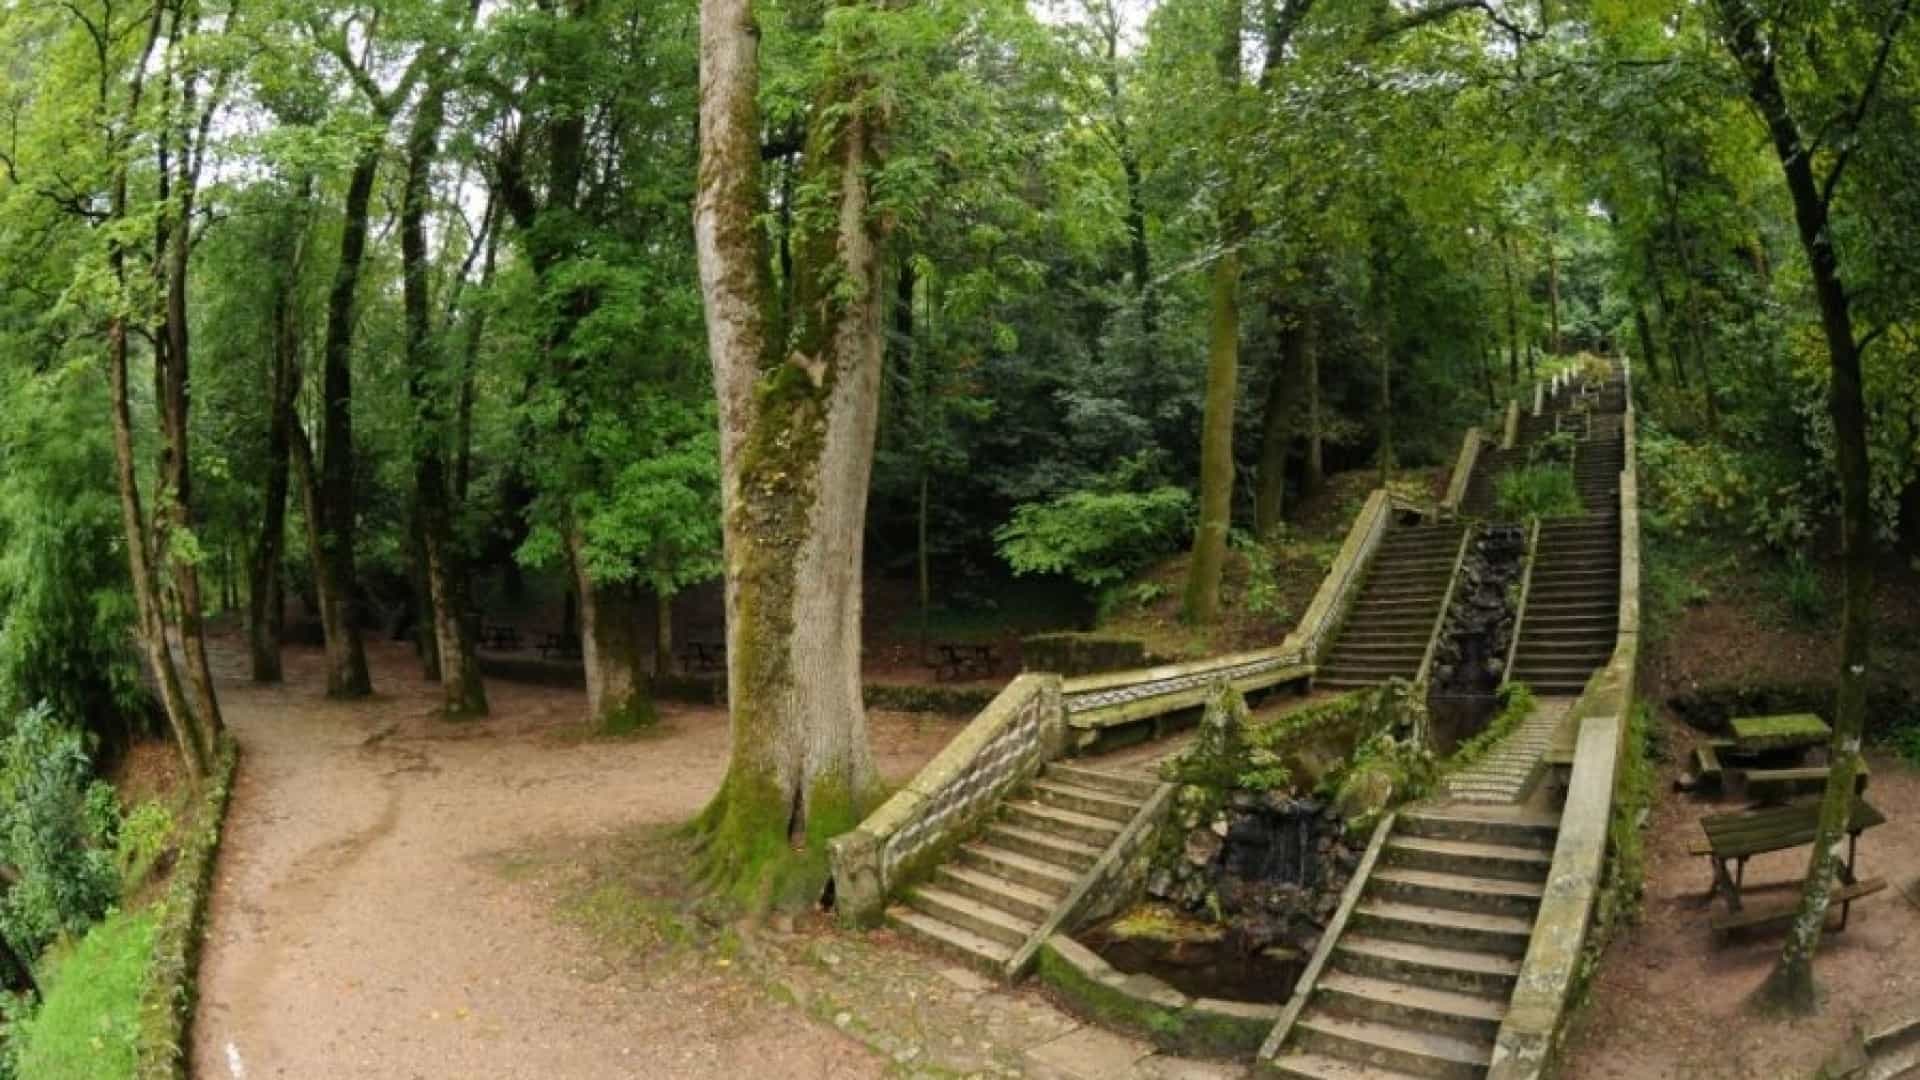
column 619, row 692
column 798, row 411
column 1791, row 986
column 266, row 599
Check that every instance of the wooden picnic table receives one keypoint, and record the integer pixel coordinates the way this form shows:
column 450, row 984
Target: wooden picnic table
column 1790, row 731
column 1734, row 838
column 959, row 658
column 499, row 636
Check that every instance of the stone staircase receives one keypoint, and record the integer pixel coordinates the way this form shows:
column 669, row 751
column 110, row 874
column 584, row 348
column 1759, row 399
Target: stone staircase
column 1387, row 628
column 1419, row 980
column 1483, row 486
column 1507, row 774
column 1893, row 1048
column 1596, row 471
column 994, row 891
column 1572, row 610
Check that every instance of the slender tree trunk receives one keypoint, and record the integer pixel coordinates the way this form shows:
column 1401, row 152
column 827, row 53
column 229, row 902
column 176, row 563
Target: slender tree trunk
column 347, row 675
column 1644, row 331
column 1791, row 984
column 1316, row 472
column 1513, row 313
column 1277, row 429
column 266, row 609
column 797, row 433
column 1555, row 346
column 462, row 692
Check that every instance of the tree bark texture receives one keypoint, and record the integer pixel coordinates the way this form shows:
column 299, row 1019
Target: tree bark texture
column 266, row 600
column 1278, row 426
column 619, row 693
column 797, row 425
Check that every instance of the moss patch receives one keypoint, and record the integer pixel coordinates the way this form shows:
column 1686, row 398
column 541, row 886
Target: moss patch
column 746, row 853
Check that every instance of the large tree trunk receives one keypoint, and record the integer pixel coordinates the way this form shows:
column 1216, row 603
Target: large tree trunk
column 797, row 431
column 1791, row 984
column 662, row 633
column 1202, row 600
column 347, row 674
column 461, row 690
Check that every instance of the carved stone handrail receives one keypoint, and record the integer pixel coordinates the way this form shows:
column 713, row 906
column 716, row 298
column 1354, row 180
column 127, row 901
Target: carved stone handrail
column 1004, row 746
column 1343, row 578
column 1520, row 612
column 1535, row 1018
column 1462, row 476
column 1446, row 605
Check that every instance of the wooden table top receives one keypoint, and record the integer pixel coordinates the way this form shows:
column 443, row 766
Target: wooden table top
column 1753, row 832
column 1756, row 733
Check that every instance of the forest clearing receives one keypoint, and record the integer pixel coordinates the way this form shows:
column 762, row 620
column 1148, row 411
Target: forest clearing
column 1063, row 538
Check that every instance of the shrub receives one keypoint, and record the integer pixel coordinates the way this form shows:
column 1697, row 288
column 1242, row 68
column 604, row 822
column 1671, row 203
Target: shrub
column 1096, row 538
column 1545, row 491
column 57, row 830
column 1906, row 743
column 1804, row 594
column 1262, row 596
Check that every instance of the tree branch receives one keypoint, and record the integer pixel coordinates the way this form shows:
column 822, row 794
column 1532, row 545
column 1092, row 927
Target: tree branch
column 1859, row 111
column 1446, row 9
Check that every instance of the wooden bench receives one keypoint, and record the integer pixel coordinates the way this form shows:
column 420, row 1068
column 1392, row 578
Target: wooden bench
column 703, row 656
column 1779, row 912
column 1734, row 838
column 499, row 636
column 955, row 659
column 561, row 645
column 1774, row 786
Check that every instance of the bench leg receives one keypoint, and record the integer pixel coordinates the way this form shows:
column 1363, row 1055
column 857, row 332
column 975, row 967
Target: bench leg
column 1723, row 884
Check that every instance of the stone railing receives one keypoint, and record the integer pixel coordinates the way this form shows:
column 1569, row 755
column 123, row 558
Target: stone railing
column 1100, row 701
column 1538, row 1012
column 1119, row 874
column 1004, row 746
column 1462, row 477
column 1343, row 579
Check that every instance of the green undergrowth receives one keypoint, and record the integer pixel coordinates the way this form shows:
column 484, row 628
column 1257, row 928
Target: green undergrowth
column 1516, row 704
column 1537, row 491
column 88, row 1025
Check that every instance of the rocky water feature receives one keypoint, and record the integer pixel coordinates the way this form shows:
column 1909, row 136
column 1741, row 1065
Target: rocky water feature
column 1471, row 656
column 1249, row 868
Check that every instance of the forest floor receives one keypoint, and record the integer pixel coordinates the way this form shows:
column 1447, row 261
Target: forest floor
column 1668, row 1002
column 402, row 897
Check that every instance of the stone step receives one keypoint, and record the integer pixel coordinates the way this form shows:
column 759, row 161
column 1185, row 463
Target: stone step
column 1513, row 829
column 1377, row 638
column 1083, row 800
column 1396, row 622
column 1446, row 927
column 1070, row 824
column 992, row 890
column 1557, row 607
column 1042, row 845
column 1365, row 674
column 982, row 953
column 1390, row 605
column 1458, row 891
column 1344, row 682
column 1539, row 652
column 1306, row 1065
column 1574, row 574
column 1476, row 857
column 971, row 915
column 1443, row 1012
column 1571, row 621
column 1137, row 788
column 1544, row 671
column 1410, row 1050
column 1041, row 875
column 1569, row 635
column 1902, row 1063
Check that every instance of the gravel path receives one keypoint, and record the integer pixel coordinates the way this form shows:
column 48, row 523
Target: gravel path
column 360, row 926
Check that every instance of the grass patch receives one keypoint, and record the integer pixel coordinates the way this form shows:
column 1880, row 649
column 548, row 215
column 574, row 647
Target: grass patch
column 88, row 1026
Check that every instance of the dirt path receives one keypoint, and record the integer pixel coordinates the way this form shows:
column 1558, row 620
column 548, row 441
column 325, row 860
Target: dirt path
column 361, row 928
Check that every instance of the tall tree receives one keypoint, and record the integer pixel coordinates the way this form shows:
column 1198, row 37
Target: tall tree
column 1757, row 46
column 798, row 386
